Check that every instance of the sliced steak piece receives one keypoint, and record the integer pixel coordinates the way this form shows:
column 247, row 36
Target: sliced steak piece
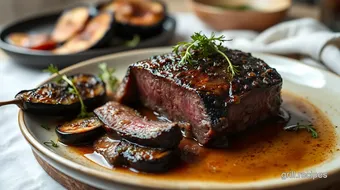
column 203, row 93
column 123, row 153
column 128, row 124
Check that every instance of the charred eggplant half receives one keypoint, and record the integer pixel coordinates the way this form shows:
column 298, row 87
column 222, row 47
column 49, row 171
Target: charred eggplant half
column 137, row 17
column 71, row 22
column 98, row 32
column 80, row 131
column 32, row 41
column 57, row 99
column 144, row 159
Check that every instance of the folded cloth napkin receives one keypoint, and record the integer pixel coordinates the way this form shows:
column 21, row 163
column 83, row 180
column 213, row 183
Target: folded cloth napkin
column 303, row 36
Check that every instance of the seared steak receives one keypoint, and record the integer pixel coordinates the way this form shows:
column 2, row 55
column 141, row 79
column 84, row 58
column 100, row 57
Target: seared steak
column 123, row 153
column 128, row 124
column 204, row 93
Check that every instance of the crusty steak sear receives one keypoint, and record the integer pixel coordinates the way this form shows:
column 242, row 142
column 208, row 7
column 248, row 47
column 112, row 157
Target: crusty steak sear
column 129, row 124
column 146, row 159
column 205, row 94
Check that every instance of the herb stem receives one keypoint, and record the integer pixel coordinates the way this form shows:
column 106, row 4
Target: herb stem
column 45, row 126
column 51, row 143
column 298, row 126
column 203, row 47
column 187, row 52
column 133, row 42
column 54, row 70
column 231, row 66
column 106, row 75
column 83, row 113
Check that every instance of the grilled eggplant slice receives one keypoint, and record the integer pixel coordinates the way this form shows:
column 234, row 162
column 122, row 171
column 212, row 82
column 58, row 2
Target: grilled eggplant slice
column 137, row 17
column 56, row 99
column 80, row 131
column 145, row 159
column 71, row 22
column 106, row 6
column 98, row 32
column 32, row 41
column 129, row 124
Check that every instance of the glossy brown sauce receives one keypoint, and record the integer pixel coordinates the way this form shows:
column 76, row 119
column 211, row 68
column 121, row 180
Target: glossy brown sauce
column 263, row 151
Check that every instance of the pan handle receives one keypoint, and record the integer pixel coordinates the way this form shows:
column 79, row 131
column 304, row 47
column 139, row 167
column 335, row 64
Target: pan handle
column 15, row 101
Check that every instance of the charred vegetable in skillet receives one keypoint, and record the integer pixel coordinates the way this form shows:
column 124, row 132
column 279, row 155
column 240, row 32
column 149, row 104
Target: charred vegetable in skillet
column 58, row 98
column 80, row 131
column 142, row 17
column 32, row 41
column 98, row 32
column 71, row 22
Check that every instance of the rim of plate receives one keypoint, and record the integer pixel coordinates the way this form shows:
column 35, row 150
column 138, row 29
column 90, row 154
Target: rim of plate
column 147, row 181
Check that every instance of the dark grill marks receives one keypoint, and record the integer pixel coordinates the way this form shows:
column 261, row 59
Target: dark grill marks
column 204, row 94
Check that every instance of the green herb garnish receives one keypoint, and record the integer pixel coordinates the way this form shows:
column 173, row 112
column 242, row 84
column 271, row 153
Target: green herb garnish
column 299, row 126
column 45, row 127
column 51, row 143
column 73, row 89
column 206, row 46
column 133, row 42
column 54, row 70
column 106, row 74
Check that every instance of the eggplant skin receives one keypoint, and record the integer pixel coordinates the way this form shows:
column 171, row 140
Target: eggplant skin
column 32, row 41
column 80, row 131
column 127, row 31
column 97, row 33
column 126, row 28
column 70, row 23
column 54, row 99
column 143, row 159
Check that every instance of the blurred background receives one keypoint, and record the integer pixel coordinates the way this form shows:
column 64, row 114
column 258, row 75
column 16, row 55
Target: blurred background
column 237, row 19
column 326, row 10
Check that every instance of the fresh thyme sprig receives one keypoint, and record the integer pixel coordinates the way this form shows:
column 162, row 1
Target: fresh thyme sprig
column 206, row 46
column 83, row 113
column 51, row 143
column 54, row 70
column 73, row 90
column 45, row 127
column 133, row 42
column 106, row 74
column 299, row 126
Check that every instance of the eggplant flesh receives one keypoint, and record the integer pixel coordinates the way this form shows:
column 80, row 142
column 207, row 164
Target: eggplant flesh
column 98, row 32
column 123, row 153
column 138, row 17
column 56, row 99
column 70, row 23
column 80, row 131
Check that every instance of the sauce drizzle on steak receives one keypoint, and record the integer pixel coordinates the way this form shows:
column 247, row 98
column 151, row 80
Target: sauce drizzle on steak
column 204, row 94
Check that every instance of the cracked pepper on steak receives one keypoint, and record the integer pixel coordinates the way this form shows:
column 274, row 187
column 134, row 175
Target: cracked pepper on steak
column 204, row 93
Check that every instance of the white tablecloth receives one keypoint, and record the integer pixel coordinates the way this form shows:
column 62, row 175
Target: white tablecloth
column 18, row 168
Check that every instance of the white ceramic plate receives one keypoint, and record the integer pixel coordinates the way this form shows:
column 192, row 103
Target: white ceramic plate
column 320, row 87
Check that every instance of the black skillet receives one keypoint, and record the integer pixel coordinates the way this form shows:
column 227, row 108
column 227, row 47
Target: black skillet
column 41, row 59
